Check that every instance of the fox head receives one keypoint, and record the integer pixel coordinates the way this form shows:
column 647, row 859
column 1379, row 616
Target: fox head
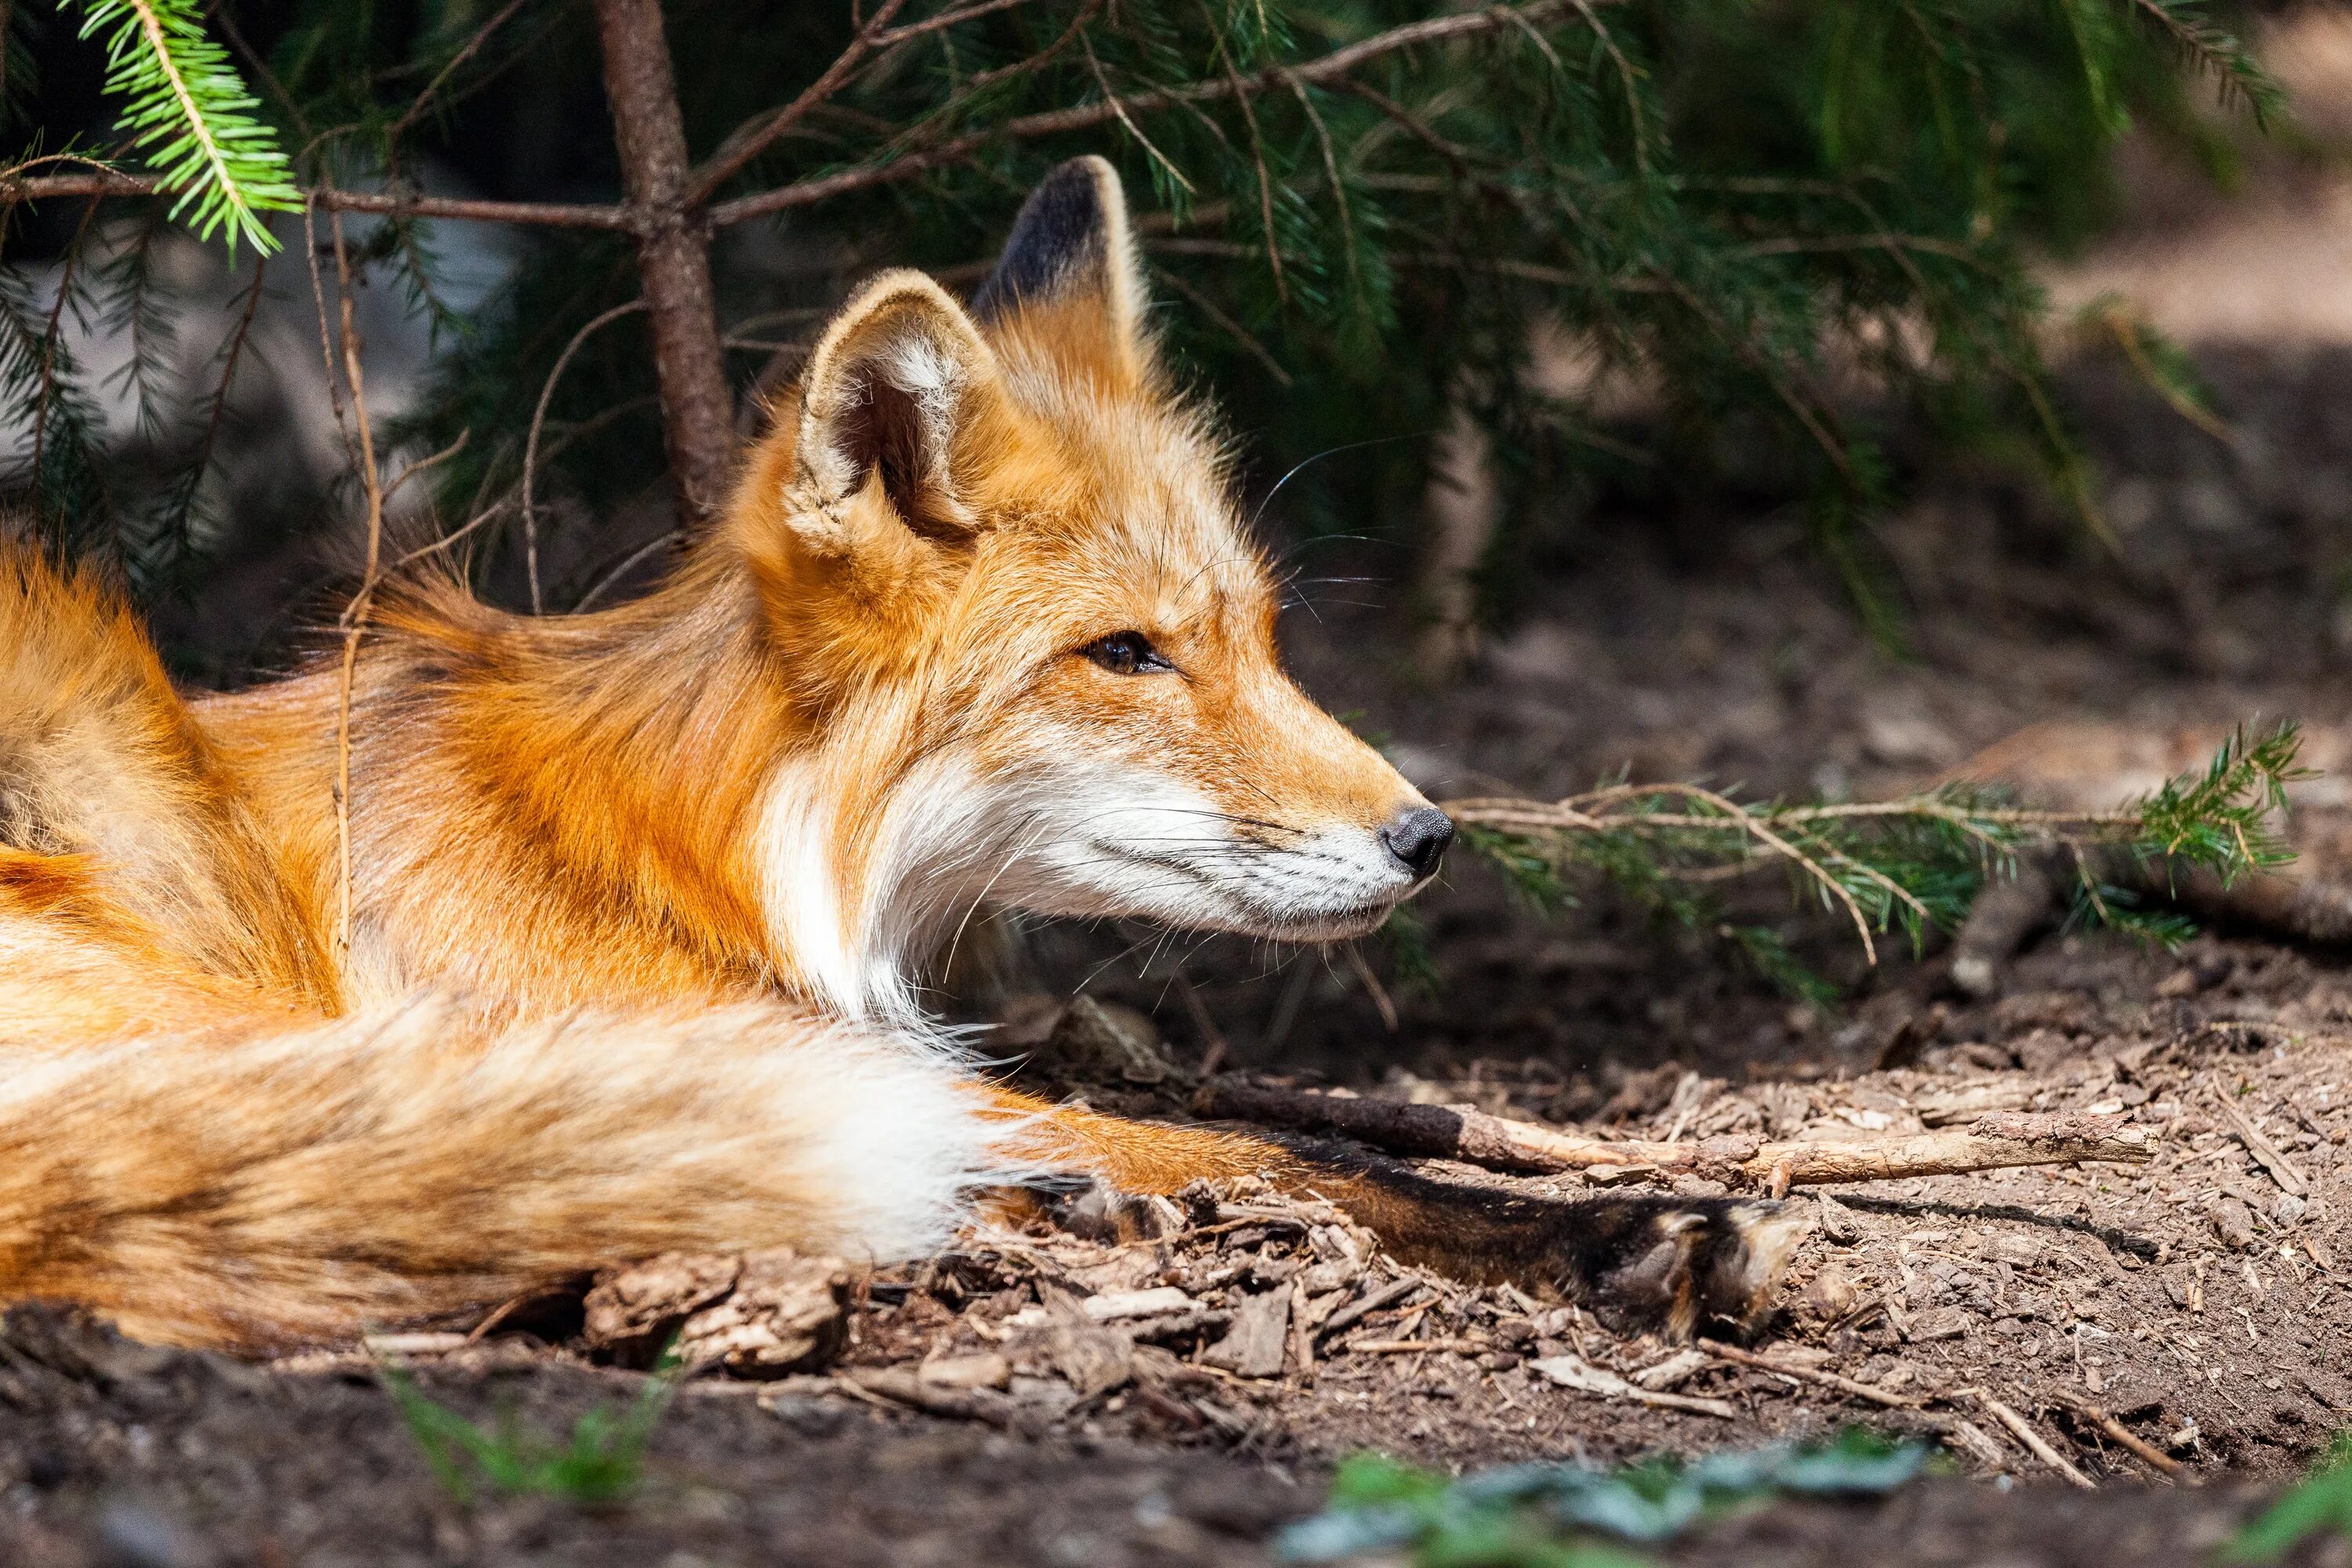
column 1017, row 615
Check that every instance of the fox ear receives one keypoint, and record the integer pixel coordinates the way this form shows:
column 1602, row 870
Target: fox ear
column 900, row 397
column 1069, row 279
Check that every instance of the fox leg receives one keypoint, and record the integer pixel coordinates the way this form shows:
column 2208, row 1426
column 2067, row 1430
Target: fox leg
column 1669, row 1263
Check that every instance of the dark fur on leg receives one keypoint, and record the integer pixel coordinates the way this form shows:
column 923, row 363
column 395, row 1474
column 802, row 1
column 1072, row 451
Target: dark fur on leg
column 1668, row 1264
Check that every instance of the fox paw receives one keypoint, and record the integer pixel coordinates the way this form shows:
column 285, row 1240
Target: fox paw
column 1673, row 1266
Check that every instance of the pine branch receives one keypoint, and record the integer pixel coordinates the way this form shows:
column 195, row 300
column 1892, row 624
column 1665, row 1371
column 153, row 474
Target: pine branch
column 187, row 113
column 1913, row 864
column 1323, row 71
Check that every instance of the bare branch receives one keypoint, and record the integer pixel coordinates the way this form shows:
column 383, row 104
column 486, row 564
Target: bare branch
column 473, row 47
column 355, row 614
column 388, row 204
column 1999, row 1140
column 530, row 445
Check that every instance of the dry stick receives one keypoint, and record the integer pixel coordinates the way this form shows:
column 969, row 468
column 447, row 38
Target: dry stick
column 672, row 254
column 531, row 443
column 2124, row 1438
column 354, row 615
column 472, row 46
column 2265, row 1152
column 2022, row 1430
column 1213, row 1045
column 1372, row 985
column 1809, row 1374
column 1997, row 1140
column 230, row 354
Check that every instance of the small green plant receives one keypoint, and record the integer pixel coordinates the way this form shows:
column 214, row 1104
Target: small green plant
column 2320, row 1506
column 1907, row 866
column 601, row 1461
column 1547, row 1515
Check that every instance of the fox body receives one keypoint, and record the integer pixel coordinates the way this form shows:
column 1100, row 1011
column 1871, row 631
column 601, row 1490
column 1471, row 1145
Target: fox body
column 626, row 955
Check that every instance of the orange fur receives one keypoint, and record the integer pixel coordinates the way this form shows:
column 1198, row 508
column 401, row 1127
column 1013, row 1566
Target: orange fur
column 638, row 898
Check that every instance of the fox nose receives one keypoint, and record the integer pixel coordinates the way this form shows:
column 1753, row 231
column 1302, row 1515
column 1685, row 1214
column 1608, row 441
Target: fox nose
column 1418, row 838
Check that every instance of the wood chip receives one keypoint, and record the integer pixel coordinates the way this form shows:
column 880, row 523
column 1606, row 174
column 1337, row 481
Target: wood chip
column 1254, row 1345
column 1408, row 1347
column 1676, row 1369
column 1576, row 1373
column 1370, row 1302
column 1968, row 1102
column 1302, row 1330
column 415, row 1344
column 1113, row 1305
column 1090, row 1359
column 1972, row 1439
column 987, row 1370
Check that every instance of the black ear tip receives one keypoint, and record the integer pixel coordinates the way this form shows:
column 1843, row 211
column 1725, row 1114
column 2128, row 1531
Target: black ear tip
column 1063, row 233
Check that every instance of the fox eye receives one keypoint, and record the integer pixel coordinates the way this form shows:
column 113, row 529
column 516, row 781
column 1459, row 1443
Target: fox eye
column 1127, row 653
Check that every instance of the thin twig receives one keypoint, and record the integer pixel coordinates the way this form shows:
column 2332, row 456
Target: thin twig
column 326, row 335
column 2035, row 1443
column 531, row 446
column 1371, row 984
column 2132, row 1442
column 354, row 615
column 427, row 465
column 596, row 589
column 1175, row 174
column 1844, row 1385
column 473, row 47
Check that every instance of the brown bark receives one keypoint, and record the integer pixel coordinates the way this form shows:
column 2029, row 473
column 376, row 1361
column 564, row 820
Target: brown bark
column 672, row 254
column 1996, row 1142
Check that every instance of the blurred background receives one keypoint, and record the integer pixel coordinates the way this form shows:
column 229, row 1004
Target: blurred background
column 1799, row 394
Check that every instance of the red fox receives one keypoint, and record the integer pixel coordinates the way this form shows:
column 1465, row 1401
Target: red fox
column 638, row 900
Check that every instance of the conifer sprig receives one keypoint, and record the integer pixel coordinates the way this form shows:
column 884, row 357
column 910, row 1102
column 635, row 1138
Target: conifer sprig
column 187, row 114
column 1910, row 864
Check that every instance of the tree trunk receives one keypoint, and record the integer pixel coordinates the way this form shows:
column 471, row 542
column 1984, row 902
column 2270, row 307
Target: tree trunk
column 672, row 254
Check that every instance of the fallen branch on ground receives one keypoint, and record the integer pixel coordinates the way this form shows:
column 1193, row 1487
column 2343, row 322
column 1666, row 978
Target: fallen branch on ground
column 1997, row 1140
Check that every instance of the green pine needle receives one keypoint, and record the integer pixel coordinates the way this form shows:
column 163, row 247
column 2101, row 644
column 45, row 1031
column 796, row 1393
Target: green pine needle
column 186, row 112
column 1903, row 866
